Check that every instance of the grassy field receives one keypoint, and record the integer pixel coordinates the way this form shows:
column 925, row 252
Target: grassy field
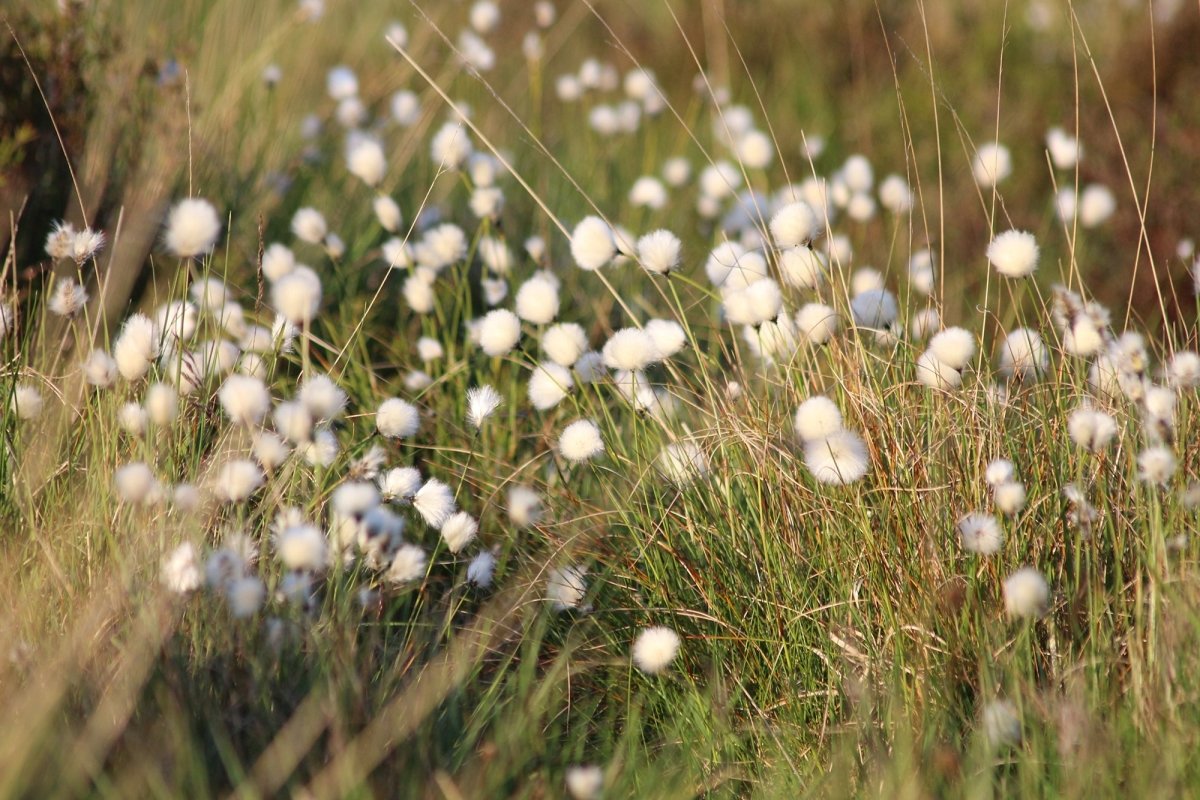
column 376, row 451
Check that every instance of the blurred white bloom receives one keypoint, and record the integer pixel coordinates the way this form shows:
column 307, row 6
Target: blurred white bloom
column 1096, row 205
column 458, row 531
column 655, row 648
column 1009, row 497
column 1026, row 593
column 136, row 347
column 499, row 332
column 537, row 301
column 481, row 569
column 397, row 419
column 658, row 251
column 592, row 244
column 816, row 418
column 549, row 383
column 244, row 399
column 434, row 502
column 795, row 224
column 309, row 225
column 180, row 571
column 1014, row 254
column 387, row 211
column 1091, row 429
column 277, row 261
column 992, row 164
column 341, row 83
column 451, row 146
column 802, row 267
column 817, row 322
column 839, row 458
column 980, row 533
column 192, row 228
column 237, row 480
column 1065, row 150
column 1023, row 355
column 1001, row 723
column 585, row 782
column 564, row 343
column 135, row 483
column 566, row 587
column 1156, row 465
column 400, row 484
column 524, row 506
column 482, row 402
column 302, row 547
column 580, row 441
column 630, row 349
column 99, row 369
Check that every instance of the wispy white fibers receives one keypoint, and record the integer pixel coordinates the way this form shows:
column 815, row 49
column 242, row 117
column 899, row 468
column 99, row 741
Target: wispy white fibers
column 592, row 244
column 1013, row 253
column 1026, row 593
column 397, row 419
column 580, row 441
column 499, row 332
column 658, row 251
column 434, row 502
column 838, row 459
column 980, row 534
column 458, row 531
column 482, row 402
column 654, row 649
column 192, row 228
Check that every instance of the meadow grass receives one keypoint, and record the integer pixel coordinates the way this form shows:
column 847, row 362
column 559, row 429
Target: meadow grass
column 837, row 635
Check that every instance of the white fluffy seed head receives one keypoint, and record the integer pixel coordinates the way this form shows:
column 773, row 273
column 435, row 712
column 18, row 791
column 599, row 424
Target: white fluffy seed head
column 323, row 398
column 482, row 402
column 524, row 506
column 875, row 309
column 1023, row 355
column 654, row 649
column 549, row 383
column 999, row 470
column 244, row 399
column 566, row 587
column 1091, row 429
column 658, row 251
column 592, row 244
column 399, row 483
column 1026, row 594
column 580, row 441
column 458, row 531
column 365, row 159
column 1096, row 204
column 278, row 260
column 1156, row 465
column 564, row 343
column 308, row 225
column 838, row 459
column 1013, row 253
column 192, row 228
column 302, row 547
column 668, row 335
column 451, row 145
column 499, row 332
column 434, row 501
column 802, row 267
column 931, row 371
column 537, row 300
column 817, row 322
column 954, row 347
column 980, row 534
column 99, row 369
column 237, row 480
column 1009, row 497
column 387, row 211
column 136, row 347
column 481, row 569
column 630, row 349
column 584, row 782
column 795, row 224
column 397, row 419
column 816, row 418
column 682, row 463
column 991, row 165
column 297, row 296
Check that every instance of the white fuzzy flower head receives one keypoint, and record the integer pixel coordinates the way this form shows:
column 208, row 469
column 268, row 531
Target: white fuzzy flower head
column 584, row 782
column 136, row 347
column 537, row 300
column 397, row 419
column 341, row 83
column 668, row 335
column 1065, row 149
column 548, row 385
column 400, row 484
column 524, row 506
column 1013, row 253
column 817, row 323
column 278, row 260
column 323, row 398
column 458, row 531
column 353, row 499
column 244, row 399
column 308, row 225
column 133, row 419
column 999, row 470
column 1156, row 465
column 482, row 402
column 245, row 596
column 297, row 296
column 802, row 267
column 658, row 251
column 630, row 349
column 682, row 463
column 1023, row 355
column 931, row 371
column 648, row 192
column 1001, row 723
column 895, row 195
column 1009, row 497
column 838, row 459
column 991, row 165
column 1091, row 429
column 566, row 587
column 237, row 480
column 875, row 309
column 481, row 569
column 135, row 483
column 954, row 347
column 180, row 571
column 60, row 241
column 293, row 421
column 980, row 534
column 269, row 450
column 1026, row 594
column 68, row 299
column 192, row 228
column 1096, row 205
column 99, row 369
column 759, row 302
column 580, row 441
column 564, row 343
column 816, row 418
column 302, row 547
column 592, row 244
column 654, row 649
column 451, row 145
column 795, row 224
column 387, row 211
column 434, row 502
column 499, row 332
column 26, row 402
column 1183, row 371
column 162, row 404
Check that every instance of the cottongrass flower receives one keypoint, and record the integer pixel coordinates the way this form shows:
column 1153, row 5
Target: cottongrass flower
column 991, row 165
column 434, row 501
column 297, row 296
column 630, row 349
column 1183, row 370
column 524, row 506
column 353, row 499
column 323, row 398
column 795, row 224
column 136, row 347
column 564, row 343
column 451, row 146
column 68, row 299
column 308, row 225
column 27, row 402
column 592, row 244
column 875, row 309
column 1023, row 355
column 655, row 648
column 397, row 419
column 1065, row 150
column 549, row 384
column 566, row 587
column 180, row 570
column 1014, row 254
column 838, row 459
column 237, row 480
column 537, row 300
column 322, row 450
column 1096, row 205
column 192, row 228
column 682, row 463
column 135, row 483
column 162, row 404
column 1009, row 497
column 302, row 547
column 481, row 569
column 658, row 251
column 584, row 782
column 293, row 421
column 458, row 531
column 400, row 484
column 499, row 332
column 895, row 195
column 816, row 418
column 1156, row 465
column 1091, row 429
column 954, row 347
column 757, row 303
column 482, row 402
column 931, row 371
column 244, row 399
column 999, row 470
column 668, row 335
column 802, row 267
column 387, row 211
column 365, row 159
column 1001, row 723
column 1026, row 594
column 980, row 533
column 817, row 323
column 245, row 596
column 133, row 419
column 580, row 441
